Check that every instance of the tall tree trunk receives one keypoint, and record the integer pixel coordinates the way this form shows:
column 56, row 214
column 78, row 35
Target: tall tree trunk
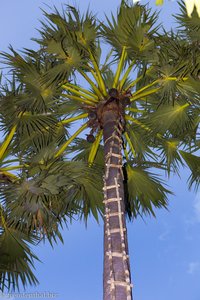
column 117, row 278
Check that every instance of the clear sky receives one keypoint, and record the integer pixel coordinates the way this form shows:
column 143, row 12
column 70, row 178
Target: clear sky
column 165, row 252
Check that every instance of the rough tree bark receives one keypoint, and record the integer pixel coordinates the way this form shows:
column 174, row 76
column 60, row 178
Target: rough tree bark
column 117, row 278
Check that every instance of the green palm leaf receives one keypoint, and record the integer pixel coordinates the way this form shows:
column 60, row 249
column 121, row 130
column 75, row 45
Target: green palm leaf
column 189, row 27
column 193, row 162
column 131, row 21
column 145, row 191
column 16, row 258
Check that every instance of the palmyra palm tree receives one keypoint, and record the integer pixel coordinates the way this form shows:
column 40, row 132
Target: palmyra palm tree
column 141, row 109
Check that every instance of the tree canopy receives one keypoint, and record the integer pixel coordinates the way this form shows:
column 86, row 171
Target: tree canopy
column 60, row 171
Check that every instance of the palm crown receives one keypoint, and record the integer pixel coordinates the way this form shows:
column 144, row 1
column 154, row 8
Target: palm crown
column 149, row 80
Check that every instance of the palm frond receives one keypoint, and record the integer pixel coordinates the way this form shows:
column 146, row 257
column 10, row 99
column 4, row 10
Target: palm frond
column 67, row 36
column 145, row 191
column 86, row 191
column 16, row 257
column 176, row 119
column 189, row 27
column 193, row 162
column 133, row 28
column 37, row 201
column 82, row 151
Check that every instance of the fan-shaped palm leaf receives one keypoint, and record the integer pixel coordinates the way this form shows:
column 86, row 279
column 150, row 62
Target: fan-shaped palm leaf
column 16, row 258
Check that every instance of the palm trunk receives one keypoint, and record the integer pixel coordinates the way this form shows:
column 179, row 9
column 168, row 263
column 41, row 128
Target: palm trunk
column 117, row 279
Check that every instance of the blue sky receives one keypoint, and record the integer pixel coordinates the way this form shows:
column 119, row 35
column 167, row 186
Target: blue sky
column 165, row 256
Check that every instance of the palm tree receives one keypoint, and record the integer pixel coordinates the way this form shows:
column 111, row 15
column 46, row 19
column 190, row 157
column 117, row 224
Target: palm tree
column 139, row 107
